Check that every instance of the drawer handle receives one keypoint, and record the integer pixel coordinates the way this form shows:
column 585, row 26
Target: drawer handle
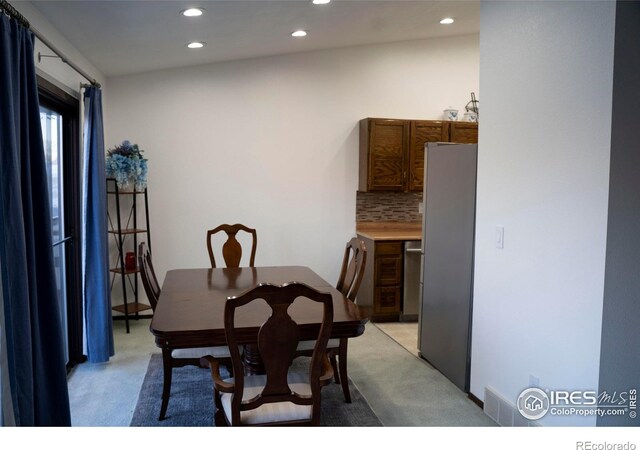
column 413, row 250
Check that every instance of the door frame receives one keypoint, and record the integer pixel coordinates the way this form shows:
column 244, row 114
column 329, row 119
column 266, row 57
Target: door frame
column 52, row 97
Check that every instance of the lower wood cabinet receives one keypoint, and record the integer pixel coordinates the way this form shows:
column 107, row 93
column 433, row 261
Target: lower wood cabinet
column 387, row 301
column 381, row 287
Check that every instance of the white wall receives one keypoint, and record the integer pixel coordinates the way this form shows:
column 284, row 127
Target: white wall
column 273, row 142
column 546, row 73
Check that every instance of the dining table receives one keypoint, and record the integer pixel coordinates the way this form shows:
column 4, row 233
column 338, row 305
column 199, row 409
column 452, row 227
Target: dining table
column 190, row 309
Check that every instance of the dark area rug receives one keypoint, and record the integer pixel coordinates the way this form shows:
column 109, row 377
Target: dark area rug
column 191, row 402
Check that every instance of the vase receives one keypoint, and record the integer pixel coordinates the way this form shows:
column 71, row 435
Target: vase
column 451, row 114
column 140, row 185
column 126, row 184
column 130, row 261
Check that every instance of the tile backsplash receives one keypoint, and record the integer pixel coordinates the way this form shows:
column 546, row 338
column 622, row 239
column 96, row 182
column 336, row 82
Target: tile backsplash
column 388, row 206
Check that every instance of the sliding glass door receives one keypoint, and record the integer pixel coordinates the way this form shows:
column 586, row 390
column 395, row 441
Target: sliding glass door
column 51, row 123
column 59, row 119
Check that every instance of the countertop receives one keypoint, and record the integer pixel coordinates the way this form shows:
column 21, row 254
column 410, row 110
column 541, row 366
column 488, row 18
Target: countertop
column 390, row 231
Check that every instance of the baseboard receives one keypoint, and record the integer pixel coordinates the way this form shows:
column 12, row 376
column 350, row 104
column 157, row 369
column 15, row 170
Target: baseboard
column 476, row 400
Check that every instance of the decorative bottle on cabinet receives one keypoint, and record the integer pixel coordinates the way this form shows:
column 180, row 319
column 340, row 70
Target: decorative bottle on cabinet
column 121, row 229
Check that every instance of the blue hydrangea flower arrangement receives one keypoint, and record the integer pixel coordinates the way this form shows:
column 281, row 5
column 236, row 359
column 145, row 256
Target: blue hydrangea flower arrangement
column 125, row 163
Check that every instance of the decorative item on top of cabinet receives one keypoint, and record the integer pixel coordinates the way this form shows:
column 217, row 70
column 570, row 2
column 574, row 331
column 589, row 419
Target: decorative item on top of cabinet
column 472, row 107
column 392, row 152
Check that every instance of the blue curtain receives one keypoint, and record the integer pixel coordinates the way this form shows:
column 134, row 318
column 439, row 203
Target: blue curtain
column 35, row 356
column 97, row 298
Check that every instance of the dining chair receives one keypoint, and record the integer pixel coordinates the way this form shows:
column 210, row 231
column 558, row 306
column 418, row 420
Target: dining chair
column 351, row 273
column 148, row 275
column 179, row 357
column 232, row 250
column 281, row 396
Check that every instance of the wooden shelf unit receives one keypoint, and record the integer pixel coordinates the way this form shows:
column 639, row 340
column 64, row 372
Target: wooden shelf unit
column 121, row 230
column 132, row 308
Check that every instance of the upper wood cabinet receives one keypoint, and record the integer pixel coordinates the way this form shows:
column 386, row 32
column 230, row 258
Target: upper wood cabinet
column 463, row 132
column 392, row 150
column 423, row 131
column 383, row 154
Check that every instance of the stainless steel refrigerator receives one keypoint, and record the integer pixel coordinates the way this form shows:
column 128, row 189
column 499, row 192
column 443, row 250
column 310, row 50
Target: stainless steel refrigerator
column 447, row 259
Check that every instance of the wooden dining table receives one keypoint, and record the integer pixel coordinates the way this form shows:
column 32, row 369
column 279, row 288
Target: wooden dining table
column 190, row 310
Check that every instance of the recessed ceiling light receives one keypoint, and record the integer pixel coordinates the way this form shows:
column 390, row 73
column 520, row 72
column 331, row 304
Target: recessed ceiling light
column 299, row 33
column 192, row 12
column 446, row 21
column 195, row 44
column 321, row 2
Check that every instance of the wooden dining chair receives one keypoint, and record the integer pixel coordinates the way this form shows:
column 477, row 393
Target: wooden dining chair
column 353, row 263
column 148, row 275
column 281, row 396
column 232, row 250
column 351, row 273
column 177, row 357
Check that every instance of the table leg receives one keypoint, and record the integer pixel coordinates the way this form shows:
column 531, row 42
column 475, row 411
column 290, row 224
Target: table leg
column 166, row 385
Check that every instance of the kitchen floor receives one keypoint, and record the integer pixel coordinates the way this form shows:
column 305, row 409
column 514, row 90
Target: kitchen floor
column 404, row 333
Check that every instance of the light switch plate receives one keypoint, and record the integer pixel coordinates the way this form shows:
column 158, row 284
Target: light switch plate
column 499, row 236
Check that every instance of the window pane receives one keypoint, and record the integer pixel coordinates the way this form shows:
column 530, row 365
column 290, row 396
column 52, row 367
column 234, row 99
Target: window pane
column 51, row 123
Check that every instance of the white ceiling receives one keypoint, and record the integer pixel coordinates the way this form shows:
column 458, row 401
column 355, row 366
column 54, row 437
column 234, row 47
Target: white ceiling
column 125, row 37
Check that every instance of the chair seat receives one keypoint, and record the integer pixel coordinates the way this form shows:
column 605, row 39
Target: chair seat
column 199, row 352
column 270, row 412
column 309, row 345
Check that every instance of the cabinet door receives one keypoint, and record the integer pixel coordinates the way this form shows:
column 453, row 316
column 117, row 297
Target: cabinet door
column 388, row 270
column 423, row 131
column 463, row 132
column 387, row 144
column 387, row 300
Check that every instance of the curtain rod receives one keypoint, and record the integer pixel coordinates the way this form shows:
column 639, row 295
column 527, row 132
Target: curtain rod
column 13, row 13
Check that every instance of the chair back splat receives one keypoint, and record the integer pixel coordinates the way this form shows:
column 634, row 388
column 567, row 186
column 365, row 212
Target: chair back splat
column 231, row 249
